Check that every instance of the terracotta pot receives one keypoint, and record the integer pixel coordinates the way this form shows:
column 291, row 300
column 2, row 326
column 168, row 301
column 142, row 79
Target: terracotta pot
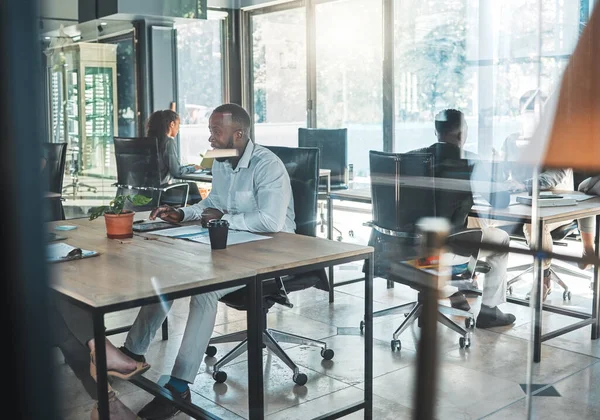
column 119, row 226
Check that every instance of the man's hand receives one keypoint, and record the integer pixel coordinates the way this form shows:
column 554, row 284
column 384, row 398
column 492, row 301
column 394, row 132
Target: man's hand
column 210, row 214
column 515, row 186
column 166, row 213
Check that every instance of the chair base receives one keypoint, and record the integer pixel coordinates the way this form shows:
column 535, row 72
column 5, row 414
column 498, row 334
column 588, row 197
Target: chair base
column 271, row 340
column 414, row 314
column 554, row 270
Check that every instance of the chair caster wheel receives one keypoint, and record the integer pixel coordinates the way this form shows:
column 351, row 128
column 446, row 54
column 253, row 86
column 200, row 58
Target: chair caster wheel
column 464, row 342
column 339, row 238
column 469, row 323
column 327, row 354
column 211, row 351
column 396, row 345
column 300, row 378
column 566, row 295
column 362, row 326
column 510, row 290
column 219, row 376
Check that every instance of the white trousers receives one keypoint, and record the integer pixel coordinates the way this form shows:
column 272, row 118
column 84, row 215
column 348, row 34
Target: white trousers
column 198, row 330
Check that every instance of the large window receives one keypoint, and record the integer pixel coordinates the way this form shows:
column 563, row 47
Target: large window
column 279, row 75
column 349, row 58
column 483, row 58
column 200, row 81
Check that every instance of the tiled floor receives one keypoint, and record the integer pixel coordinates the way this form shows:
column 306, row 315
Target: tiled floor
column 483, row 381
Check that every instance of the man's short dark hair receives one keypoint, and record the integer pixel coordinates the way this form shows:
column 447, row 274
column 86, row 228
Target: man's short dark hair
column 238, row 114
column 449, row 121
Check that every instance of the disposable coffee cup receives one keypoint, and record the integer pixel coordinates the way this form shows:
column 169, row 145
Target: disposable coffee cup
column 217, row 232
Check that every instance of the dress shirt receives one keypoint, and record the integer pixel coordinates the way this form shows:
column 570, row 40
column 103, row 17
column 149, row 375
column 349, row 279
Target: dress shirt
column 256, row 196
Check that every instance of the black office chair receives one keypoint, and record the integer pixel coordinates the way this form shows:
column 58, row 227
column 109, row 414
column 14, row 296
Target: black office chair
column 403, row 188
column 138, row 161
column 53, row 173
column 333, row 147
column 302, row 165
column 560, row 236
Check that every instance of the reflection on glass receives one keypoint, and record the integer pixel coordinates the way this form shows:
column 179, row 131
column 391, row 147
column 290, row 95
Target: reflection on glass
column 349, row 73
column 279, row 76
column 200, row 87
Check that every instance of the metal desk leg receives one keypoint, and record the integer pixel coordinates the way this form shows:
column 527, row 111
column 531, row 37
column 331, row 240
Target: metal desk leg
column 330, row 234
column 254, row 324
column 596, row 286
column 537, row 302
column 369, row 337
column 101, row 370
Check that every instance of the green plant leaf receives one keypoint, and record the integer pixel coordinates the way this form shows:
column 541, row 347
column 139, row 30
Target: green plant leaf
column 139, row 200
column 96, row 212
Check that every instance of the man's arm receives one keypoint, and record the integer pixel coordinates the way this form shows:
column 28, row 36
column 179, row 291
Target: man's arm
column 273, row 193
column 194, row 212
column 549, row 179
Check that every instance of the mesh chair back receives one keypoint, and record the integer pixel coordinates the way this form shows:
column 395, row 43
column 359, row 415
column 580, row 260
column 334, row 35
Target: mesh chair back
column 54, row 171
column 397, row 202
column 302, row 164
column 138, row 161
column 333, row 147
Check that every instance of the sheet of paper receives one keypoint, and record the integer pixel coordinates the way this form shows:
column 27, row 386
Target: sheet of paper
column 58, row 251
column 234, row 237
column 182, row 232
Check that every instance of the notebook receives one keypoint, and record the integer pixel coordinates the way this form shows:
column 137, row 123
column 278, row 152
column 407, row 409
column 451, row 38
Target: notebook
column 547, row 201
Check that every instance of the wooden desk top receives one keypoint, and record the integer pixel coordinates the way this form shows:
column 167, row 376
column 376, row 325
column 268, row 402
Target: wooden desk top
column 360, row 195
column 514, row 213
column 208, row 178
column 522, row 213
column 137, row 268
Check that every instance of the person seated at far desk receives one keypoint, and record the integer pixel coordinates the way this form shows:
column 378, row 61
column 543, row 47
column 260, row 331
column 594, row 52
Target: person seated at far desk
column 451, row 131
column 253, row 193
column 162, row 124
column 520, row 181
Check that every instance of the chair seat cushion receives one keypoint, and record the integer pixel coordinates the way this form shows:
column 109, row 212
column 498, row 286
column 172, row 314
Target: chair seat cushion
column 317, row 278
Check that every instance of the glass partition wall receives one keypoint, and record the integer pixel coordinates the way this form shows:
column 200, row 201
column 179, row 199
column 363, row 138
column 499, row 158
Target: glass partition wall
column 91, row 97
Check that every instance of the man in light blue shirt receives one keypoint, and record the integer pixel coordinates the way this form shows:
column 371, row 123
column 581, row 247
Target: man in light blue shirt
column 252, row 192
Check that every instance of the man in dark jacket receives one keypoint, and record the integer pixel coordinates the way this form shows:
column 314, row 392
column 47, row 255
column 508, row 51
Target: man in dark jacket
column 454, row 204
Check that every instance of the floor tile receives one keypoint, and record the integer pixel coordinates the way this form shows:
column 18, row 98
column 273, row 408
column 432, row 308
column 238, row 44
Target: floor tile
column 280, row 390
column 347, row 364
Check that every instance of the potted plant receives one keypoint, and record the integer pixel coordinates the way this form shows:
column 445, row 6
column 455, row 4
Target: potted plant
column 119, row 222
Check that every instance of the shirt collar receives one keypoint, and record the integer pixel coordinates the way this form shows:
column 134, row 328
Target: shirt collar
column 245, row 159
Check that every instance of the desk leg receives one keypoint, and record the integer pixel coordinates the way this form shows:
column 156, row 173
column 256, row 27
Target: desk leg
column 596, row 286
column 369, row 337
column 254, row 324
column 330, row 237
column 537, row 302
column 101, row 370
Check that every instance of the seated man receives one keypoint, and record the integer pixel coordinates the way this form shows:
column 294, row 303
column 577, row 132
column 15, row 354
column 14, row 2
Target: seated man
column 520, row 180
column 253, row 193
column 451, row 132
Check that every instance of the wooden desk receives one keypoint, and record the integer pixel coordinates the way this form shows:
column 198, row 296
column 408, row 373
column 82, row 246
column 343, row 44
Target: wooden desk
column 147, row 268
column 520, row 213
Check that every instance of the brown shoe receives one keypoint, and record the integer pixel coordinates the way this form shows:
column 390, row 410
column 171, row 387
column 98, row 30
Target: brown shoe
column 116, row 408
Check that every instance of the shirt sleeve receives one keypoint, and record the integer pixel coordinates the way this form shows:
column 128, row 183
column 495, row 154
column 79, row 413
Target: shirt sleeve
column 549, row 179
column 213, row 200
column 273, row 192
